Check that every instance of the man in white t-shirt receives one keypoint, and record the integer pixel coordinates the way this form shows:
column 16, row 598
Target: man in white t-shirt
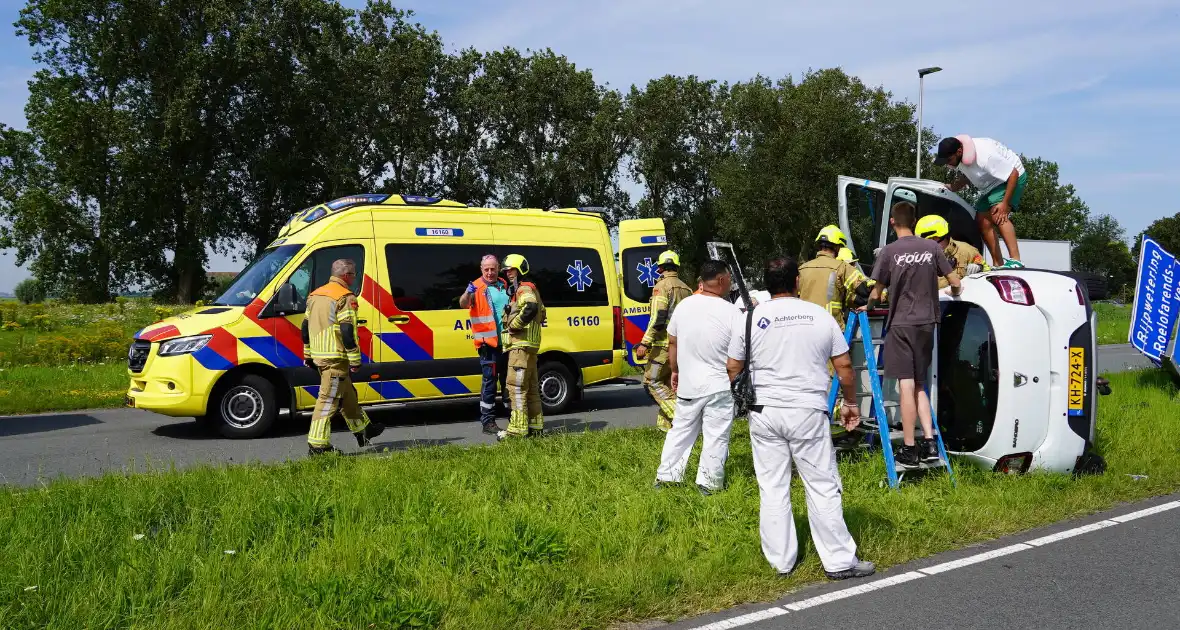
column 698, row 338
column 791, row 343
column 998, row 174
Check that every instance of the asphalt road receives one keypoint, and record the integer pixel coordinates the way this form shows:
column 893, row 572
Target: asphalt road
column 1124, row 575
column 83, row 443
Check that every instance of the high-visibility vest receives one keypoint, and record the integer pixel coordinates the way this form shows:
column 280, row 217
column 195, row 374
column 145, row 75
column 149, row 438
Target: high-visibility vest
column 483, row 320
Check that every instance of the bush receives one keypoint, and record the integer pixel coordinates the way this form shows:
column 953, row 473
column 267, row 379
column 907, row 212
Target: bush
column 30, row 291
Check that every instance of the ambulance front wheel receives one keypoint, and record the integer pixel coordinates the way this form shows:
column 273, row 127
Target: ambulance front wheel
column 558, row 387
column 245, row 407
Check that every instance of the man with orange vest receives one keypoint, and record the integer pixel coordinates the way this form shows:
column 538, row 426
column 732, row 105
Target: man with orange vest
column 485, row 299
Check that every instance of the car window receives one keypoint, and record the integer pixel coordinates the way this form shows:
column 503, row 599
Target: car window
column 865, row 213
column 426, row 277
column 640, row 273
column 316, row 270
column 254, row 278
column 968, row 366
column 962, row 225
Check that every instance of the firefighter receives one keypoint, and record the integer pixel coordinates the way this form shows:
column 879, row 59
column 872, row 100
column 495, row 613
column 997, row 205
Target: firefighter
column 522, row 324
column 964, row 258
column 829, row 282
column 657, row 378
column 330, row 346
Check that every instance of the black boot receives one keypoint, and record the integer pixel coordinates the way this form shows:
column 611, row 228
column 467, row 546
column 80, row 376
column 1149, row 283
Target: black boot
column 365, row 436
column 320, row 450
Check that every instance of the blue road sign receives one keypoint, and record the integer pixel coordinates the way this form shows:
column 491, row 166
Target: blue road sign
column 1157, row 304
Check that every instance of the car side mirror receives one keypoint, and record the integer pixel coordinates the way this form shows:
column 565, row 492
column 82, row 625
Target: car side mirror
column 287, row 299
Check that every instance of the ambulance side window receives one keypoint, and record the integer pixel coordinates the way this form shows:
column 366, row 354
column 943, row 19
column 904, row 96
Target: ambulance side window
column 426, row 277
column 639, row 272
column 316, row 270
column 968, row 376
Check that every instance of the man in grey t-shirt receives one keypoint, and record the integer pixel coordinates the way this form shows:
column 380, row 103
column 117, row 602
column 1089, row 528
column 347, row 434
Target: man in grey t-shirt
column 910, row 267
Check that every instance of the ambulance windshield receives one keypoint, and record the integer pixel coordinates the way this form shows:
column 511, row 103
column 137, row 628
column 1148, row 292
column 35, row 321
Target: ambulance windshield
column 257, row 275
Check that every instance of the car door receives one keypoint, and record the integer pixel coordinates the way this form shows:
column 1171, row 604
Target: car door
column 862, row 213
column 312, row 272
column 640, row 243
column 428, row 256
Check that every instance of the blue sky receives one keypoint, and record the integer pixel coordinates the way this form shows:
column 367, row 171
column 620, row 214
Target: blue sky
column 1094, row 86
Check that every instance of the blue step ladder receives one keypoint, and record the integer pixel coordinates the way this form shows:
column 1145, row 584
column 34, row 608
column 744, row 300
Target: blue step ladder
column 876, row 426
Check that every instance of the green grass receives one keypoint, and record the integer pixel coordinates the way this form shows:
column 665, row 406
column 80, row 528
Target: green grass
column 1114, row 322
column 31, row 389
column 563, row 532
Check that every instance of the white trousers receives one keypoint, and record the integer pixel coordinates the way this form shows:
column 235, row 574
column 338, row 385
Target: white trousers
column 714, row 415
column 778, row 434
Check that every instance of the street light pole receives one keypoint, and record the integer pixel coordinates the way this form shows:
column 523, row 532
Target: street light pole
column 921, row 87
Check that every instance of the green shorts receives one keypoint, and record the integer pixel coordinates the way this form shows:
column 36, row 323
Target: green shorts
column 996, row 195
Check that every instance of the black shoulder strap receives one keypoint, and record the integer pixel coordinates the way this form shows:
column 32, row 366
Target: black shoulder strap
column 749, row 323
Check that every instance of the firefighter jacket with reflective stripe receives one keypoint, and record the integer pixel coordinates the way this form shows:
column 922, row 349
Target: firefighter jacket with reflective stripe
column 960, row 255
column 525, row 316
column 329, row 329
column 830, row 283
column 667, row 294
column 483, row 317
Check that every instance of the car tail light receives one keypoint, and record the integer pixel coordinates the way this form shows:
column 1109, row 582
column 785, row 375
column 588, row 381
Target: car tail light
column 1081, row 298
column 617, row 313
column 1014, row 464
column 1013, row 290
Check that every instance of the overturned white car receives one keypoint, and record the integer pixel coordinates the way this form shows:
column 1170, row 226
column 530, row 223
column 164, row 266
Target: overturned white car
column 1014, row 379
column 1014, row 382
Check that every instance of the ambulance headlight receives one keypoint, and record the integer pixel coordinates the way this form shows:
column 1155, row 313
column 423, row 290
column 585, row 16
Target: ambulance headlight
column 183, row 345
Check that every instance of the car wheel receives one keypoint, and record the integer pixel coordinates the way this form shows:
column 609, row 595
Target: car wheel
column 557, row 385
column 245, row 408
column 1090, row 464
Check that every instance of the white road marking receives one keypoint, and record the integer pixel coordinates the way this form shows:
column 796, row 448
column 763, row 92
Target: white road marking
column 859, row 589
column 867, row 587
column 977, row 558
column 1147, row 512
column 1070, row 533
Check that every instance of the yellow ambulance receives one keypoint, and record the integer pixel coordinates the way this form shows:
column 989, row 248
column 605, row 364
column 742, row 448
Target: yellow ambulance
column 238, row 362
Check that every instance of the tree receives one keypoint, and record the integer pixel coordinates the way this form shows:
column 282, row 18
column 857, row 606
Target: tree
column 1165, row 231
column 792, row 141
column 296, row 114
column 680, row 137
column 555, row 138
column 1049, row 210
column 29, row 291
column 1102, row 249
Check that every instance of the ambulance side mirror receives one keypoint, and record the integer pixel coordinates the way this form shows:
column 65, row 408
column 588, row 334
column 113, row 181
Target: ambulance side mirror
column 287, row 299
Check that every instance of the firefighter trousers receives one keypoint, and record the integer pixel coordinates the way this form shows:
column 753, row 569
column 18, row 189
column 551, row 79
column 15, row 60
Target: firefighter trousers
column 337, row 394
column 778, row 435
column 524, row 392
column 657, row 380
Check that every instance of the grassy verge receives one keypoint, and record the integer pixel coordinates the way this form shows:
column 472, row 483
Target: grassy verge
column 557, row 533
column 1114, row 322
column 30, row 389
